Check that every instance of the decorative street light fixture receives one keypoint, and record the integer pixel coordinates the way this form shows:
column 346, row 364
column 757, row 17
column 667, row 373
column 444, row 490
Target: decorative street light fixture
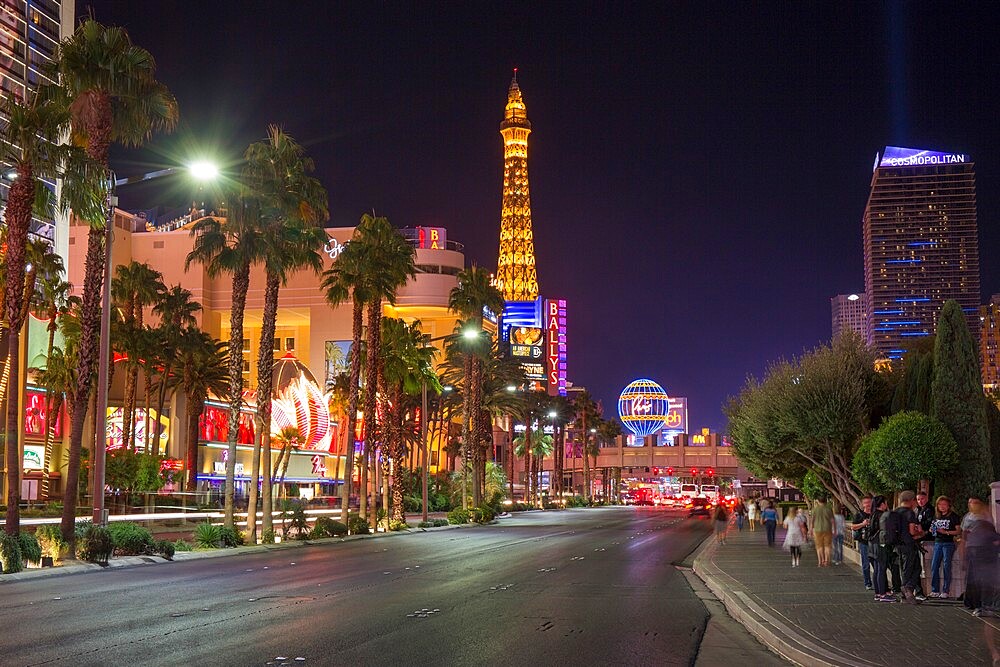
column 199, row 171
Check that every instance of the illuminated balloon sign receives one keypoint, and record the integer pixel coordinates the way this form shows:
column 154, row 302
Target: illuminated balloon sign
column 643, row 407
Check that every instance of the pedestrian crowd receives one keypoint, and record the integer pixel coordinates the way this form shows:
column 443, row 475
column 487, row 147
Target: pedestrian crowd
column 891, row 544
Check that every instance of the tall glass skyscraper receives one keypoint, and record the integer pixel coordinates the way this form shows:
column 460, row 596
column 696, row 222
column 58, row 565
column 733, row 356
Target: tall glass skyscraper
column 921, row 245
column 30, row 31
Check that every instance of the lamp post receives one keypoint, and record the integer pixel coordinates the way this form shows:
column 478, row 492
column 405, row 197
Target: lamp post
column 199, row 171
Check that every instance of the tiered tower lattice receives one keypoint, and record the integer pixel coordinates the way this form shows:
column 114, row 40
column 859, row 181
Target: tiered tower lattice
column 516, row 277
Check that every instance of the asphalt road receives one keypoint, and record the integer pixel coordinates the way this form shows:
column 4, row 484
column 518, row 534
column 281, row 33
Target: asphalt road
column 581, row 587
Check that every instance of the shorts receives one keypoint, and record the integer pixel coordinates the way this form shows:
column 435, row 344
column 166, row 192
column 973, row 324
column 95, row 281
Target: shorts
column 823, row 540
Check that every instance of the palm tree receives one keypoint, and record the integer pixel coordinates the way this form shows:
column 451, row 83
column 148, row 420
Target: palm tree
column 342, row 281
column 113, row 96
column 564, row 415
column 587, row 416
column 176, row 309
column 231, row 245
column 135, row 286
column 533, row 444
column 292, row 204
column 203, row 372
column 406, row 361
column 388, row 260
column 288, row 439
column 607, row 431
column 474, row 293
column 28, row 142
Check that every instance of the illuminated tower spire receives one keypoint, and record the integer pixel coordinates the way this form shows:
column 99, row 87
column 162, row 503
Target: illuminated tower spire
column 516, row 277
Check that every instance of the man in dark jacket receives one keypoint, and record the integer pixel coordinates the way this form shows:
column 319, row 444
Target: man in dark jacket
column 925, row 517
column 906, row 546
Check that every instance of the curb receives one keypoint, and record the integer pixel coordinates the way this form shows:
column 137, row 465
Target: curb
column 182, row 556
column 776, row 634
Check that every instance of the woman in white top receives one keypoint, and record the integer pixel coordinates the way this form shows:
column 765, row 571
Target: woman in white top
column 752, row 514
column 795, row 534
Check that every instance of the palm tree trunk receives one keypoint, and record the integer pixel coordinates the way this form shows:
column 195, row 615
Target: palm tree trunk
column 148, row 392
column 195, row 408
column 241, row 283
column 128, row 409
column 161, row 401
column 371, row 388
column 357, row 325
column 90, row 314
column 262, row 436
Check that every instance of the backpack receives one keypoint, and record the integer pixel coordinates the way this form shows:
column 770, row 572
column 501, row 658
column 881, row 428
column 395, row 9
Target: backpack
column 891, row 525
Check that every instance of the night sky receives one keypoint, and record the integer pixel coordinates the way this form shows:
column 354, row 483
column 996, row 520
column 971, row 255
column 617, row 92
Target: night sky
column 698, row 171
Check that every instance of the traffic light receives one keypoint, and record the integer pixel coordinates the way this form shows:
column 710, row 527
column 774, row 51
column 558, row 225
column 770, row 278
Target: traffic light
column 710, row 472
column 694, row 472
column 670, row 471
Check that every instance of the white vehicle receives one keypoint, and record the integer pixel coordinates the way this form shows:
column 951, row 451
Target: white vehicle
column 710, row 491
column 689, row 490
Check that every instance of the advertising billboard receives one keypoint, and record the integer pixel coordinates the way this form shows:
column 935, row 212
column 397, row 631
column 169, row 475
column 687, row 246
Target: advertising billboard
column 526, row 343
column 432, row 238
column 555, row 355
column 895, row 156
column 675, row 422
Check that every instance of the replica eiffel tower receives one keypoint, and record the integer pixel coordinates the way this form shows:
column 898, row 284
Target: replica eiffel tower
column 516, row 278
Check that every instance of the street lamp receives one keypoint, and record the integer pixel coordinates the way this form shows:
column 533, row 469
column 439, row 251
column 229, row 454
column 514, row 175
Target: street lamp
column 201, row 171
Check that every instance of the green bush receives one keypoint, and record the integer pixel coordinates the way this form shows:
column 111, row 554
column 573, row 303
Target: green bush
column 81, row 527
column 130, row 539
column 414, row 503
column 31, row 551
column 439, row 522
column 95, row 545
column 425, row 524
column 458, row 516
column 267, row 537
column 396, row 525
column 50, row 539
column 576, row 501
column 327, row 527
column 207, row 536
column 482, row 514
column 166, row 549
column 294, row 520
column 230, row 537
column 358, row 525
column 10, row 554
column 438, row 502
column 182, row 545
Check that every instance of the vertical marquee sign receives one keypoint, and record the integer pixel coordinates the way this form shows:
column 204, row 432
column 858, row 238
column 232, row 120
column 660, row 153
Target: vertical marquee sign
column 555, row 355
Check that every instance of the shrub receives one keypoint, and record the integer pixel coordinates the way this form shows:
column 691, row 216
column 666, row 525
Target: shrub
column 327, row 527
column 31, row 551
column 458, row 516
column 95, row 545
column 413, row 503
column 438, row 502
column 207, row 536
column 439, row 522
column 130, row 539
column 267, row 537
column 166, row 549
column 396, row 525
column 81, row 527
column 50, row 539
column 230, row 537
column 10, row 554
column 576, row 501
column 181, row 545
column 358, row 525
column 425, row 524
column 294, row 519
column 482, row 514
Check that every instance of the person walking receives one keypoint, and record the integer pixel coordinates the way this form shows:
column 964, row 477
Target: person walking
column 839, row 530
column 770, row 518
column 982, row 544
column 822, row 530
column 944, row 528
column 741, row 513
column 752, row 511
column 878, row 553
column 902, row 531
column 795, row 534
column 860, row 523
column 721, row 519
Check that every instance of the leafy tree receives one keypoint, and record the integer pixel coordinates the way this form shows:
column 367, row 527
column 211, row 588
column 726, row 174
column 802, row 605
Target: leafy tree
column 810, row 414
column 957, row 400
column 909, row 447
column 863, row 469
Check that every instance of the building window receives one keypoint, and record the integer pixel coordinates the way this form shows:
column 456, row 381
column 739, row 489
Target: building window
column 289, row 344
column 246, row 344
column 246, row 365
column 276, row 344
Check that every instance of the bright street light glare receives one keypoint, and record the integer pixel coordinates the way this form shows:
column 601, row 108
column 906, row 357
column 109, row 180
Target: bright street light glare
column 470, row 334
column 203, row 170
column 511, row 387
column 447, row 387
column 552, row 414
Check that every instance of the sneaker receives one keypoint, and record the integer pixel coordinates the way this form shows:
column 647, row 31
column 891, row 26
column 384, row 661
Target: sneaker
column 885, row 598
column 920, row 598
column 868, row 587
column 943, row 596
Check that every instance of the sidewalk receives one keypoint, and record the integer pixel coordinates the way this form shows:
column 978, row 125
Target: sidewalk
column 824, row 616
